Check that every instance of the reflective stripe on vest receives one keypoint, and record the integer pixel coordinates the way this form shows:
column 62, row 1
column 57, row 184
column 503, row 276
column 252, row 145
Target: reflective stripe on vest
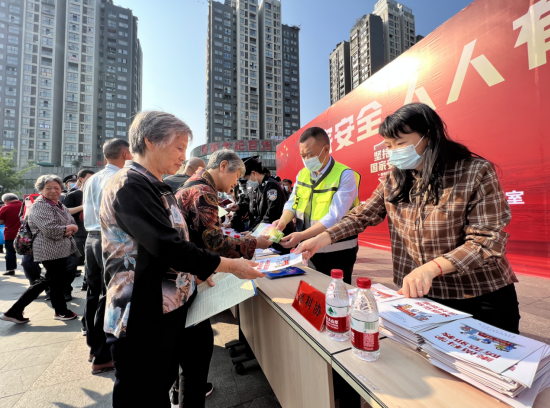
column 313, row 198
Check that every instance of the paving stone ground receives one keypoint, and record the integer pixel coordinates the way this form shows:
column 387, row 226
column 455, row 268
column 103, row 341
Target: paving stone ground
column 44, row 363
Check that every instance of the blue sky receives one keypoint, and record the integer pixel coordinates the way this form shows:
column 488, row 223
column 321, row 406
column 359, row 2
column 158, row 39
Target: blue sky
column 173, row 38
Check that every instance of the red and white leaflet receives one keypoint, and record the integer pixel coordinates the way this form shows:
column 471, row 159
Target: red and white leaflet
column 482, row 344
column 418, row 314
column 278, row 262
column 381, row 293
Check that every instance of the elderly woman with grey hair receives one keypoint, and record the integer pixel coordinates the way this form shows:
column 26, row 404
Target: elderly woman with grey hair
column 198, row 202
column 54, row 227
column 151, row 272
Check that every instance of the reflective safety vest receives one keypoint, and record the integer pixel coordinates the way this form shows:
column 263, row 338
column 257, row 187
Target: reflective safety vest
column 313, row 197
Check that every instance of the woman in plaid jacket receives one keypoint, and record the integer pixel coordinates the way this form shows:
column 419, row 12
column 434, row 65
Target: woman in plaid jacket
column 54, row 228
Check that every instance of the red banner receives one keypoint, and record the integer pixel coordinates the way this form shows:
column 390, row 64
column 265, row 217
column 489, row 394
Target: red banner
column 486, row 72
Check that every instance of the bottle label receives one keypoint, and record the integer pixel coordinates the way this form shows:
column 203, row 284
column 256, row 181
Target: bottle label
column 364, row 335
column 338, row 318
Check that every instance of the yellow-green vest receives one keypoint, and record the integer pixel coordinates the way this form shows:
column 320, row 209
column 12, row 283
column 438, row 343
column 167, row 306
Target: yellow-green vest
column 313, row 197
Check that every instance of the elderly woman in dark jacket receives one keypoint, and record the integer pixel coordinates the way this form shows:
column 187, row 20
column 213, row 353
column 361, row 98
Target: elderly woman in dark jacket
column 152, row 270
column 54, row 228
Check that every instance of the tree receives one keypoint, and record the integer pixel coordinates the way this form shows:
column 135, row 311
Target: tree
column 10, row 179
column 76, row 163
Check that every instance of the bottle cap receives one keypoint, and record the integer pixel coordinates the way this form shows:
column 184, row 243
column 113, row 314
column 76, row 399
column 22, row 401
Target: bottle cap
column 363, row 283
column 337, row 273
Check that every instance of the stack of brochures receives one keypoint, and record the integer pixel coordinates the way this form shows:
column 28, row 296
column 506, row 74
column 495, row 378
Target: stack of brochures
column 508, row 366
column 404, row 319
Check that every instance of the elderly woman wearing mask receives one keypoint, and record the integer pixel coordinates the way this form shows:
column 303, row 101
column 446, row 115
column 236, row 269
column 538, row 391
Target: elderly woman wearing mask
column 54, row 228
column 151, row 272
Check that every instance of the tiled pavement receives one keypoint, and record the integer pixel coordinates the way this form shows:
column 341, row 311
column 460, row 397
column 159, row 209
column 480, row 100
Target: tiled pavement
column 43, row 363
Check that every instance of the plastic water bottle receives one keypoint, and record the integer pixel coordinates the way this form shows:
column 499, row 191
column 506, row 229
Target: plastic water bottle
column 364, row 322
column 337, row 303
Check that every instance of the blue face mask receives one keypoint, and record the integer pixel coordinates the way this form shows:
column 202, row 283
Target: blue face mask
column 252, row 184
column 406, row 158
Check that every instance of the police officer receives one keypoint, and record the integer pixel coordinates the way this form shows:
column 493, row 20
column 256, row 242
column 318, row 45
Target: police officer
column 324, row 192
column 266, row 199
column 70, row 182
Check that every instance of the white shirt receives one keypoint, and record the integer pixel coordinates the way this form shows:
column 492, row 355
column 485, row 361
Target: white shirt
column 93, row 193
column 341, row 201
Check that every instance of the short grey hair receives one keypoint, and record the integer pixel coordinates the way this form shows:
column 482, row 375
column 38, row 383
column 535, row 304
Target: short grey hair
column 160, row 128
column 235, row 163
column 112, row 149
column 45, row 179
column 9, row 197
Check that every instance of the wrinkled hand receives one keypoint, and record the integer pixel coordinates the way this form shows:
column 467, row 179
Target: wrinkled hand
column 310, row 247
column 279, row 224
column 232, row 207
column 263, row 243
column 419, row 281
column 209, row 280
column 244, row 269
column 70, row 230
column 290, row 241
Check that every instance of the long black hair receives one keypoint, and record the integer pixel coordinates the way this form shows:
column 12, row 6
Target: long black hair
column 440, row 153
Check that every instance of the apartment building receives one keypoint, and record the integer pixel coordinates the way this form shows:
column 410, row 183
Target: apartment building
column 11, row 46
column 375, row 40
column 339, row 72
column 119, row 77
column 54, row 105
column 399, row 27
column 291, row 79
column 366, row 48
column 244, row 81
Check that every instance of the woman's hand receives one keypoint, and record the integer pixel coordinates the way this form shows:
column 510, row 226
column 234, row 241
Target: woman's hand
column 419, row 281
column 263, row 243
column 310, row 247
column 290, row 241
column 70, row 230
column 279, row 224
column 244, row 269
column 232, row 207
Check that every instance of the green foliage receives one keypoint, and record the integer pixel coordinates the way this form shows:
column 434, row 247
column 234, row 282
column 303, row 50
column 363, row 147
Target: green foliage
column 11, row 179
column 76, row 163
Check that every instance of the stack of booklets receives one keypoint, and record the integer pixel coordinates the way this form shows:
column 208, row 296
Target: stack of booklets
column 404, row 320
column 508, row 366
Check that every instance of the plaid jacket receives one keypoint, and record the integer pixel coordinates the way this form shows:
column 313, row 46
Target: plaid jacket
column 51, row 223
column 466, row 227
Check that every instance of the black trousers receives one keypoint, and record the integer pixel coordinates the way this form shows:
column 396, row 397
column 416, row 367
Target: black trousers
column 73, row 261
column 499, row 308
column 144, row 379
column 344, row 260
column 55, row 278
column 31, row 269
column 94, row 312
column 11, row 256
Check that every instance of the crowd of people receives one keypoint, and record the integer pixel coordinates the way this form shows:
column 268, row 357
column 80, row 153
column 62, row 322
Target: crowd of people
column 148, row 230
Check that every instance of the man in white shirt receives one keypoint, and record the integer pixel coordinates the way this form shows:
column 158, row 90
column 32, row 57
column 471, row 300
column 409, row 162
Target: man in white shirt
column 116, row 153
column 324, row 192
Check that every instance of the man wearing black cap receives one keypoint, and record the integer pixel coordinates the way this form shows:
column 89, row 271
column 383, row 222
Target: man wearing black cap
column 266, row 199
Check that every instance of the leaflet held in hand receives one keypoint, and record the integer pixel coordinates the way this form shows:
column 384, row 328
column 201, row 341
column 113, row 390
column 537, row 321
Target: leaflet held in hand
column 228, row 292
column 278, row 262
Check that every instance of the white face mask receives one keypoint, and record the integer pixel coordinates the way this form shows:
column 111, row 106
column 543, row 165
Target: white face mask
column 313, row 164
column 406, row 158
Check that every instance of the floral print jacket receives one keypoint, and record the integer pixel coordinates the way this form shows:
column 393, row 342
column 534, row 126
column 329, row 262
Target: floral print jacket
column 198, row 201
column 149, row 261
